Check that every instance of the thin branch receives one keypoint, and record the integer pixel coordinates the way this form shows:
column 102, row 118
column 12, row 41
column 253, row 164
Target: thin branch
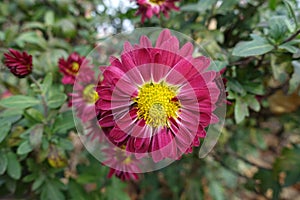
column 292, row 36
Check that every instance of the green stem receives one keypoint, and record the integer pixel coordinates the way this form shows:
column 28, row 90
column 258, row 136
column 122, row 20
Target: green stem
column 44, row 103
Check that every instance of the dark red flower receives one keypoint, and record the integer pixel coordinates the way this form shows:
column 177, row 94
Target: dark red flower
column 148, row 8
column 70, row 67
column 19, row 63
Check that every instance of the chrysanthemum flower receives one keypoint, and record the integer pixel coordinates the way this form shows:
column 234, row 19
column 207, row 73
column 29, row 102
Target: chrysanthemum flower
column 121, row 165
column 84, row 95
column 148, row 8
column 70, row 67
column 157, row 100
column 19, row 63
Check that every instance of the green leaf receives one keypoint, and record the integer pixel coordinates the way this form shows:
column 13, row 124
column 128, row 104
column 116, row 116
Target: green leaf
column 5, row 128
column 36, row 135
column 253, row 103
column 33, row 25
column 279, row 69
column 116, row 190
column 289, row 47
column 19, row 102
column 56, row 100
column 273, row 4
column 38, row 182
column 289, row 163
column 216, row 190
column 32, row 38
column 13, row 166
column 290, row 7
column 11, row 112
column 49, row 18
column 278, row 28
column 252, row 48
column 240, row 110
column 11, row 185
column 3, row 163
column 24, row 148
column 64, row 122
column 76, row 191
column 201, row 6
column 254, row 88
column 47, row 83
column 34, row 114
column 235, row 86
column 50, row 191
column 295, row 80
column 66, row 144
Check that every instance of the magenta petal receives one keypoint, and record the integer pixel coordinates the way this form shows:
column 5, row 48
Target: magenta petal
column 141, row 145
column 159, row 72
column 127, row 47
column 105, row 94
column 186, row 50
column 163, row 36
column 107, row 121
column 141, row 56
column 127, row 61
column 135, row 75
column 172, row 44
column 201, row 63
column 115, row 62
column 184, row 136
column 117, row 135
column 145, row 42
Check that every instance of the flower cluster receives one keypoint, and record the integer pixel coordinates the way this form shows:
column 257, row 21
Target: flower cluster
column 148, row 8
column 154, row 101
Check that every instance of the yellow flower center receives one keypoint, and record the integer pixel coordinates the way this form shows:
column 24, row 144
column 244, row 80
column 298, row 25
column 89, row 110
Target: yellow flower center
column 90, row 95
column 157, row 2
column 75, row 66
column 74, row 69
column 156, row 103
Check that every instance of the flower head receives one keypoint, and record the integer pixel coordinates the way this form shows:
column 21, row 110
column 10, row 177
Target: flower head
column 70, row 67
column 148, row 8
column 84, row 95
column 157, row 100
column 123, row 166
column 19, row 63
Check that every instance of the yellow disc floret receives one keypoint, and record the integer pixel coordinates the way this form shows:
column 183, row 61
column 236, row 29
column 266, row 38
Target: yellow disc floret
column 156, row 103
column 75, row 66
column 89, row 94
column 158, row 2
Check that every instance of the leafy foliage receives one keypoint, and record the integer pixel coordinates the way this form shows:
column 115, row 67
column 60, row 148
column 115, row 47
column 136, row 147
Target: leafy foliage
column 257, row 154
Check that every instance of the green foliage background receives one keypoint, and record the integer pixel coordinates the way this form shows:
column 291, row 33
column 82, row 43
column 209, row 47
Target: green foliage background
column 257, row 156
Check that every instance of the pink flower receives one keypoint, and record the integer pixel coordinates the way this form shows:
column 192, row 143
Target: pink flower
column 70, row 67
column 84, row 95
column 148, row 8
column 157, row 100
column 123, row 166
column 19, row 63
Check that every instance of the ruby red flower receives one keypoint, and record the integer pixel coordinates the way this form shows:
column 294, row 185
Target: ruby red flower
column 19, row 63
column 157, row 100
column 70, row 67
column 148, row 8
